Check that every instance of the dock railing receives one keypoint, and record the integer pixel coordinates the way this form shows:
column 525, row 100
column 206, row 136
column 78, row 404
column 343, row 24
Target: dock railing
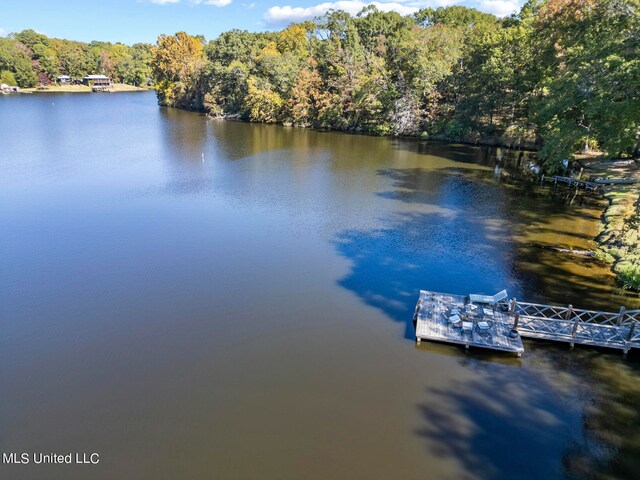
column 574, row 325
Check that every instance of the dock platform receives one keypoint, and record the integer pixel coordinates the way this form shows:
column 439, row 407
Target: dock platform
column 432, row 318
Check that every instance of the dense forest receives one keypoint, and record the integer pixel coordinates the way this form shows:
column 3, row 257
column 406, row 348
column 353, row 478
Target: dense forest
column 560, row 76
column 29, row 58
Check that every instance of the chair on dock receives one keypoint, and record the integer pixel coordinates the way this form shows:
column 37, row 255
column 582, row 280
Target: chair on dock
column 488, row 299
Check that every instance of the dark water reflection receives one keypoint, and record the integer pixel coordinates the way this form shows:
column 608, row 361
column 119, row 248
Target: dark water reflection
column 202, row 299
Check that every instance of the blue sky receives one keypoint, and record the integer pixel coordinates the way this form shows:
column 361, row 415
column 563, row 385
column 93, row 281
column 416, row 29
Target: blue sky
column 131, row 21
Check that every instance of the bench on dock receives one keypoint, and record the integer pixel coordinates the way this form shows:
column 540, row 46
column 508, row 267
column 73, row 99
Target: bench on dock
column 488, row 299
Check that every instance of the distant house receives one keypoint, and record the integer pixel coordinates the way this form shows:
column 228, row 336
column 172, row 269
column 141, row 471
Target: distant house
column 64, row 79
column 4, row 88
column 97, row 82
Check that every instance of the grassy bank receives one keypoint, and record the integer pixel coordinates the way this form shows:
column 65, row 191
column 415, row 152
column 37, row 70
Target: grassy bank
column 619, row 238
column 116, row 87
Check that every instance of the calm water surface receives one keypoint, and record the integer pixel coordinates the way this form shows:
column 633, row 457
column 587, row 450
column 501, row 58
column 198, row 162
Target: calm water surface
column 199, row 299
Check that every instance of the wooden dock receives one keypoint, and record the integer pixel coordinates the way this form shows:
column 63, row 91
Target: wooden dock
column 448, row 318
column 594, row 185
column 432, row 317
column 575, row 183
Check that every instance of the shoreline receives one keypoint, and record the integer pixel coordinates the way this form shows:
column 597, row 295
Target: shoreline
column 618, row 240
column 480, row 142
column 116, row 88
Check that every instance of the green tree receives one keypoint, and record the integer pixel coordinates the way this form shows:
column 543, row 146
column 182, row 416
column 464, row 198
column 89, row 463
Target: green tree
column 15, row 59
column 592, row 88
column 374, row 25
column 74, row 58
column 264, row 104
column 31, row 39
column 8, row 78
column 456, row 16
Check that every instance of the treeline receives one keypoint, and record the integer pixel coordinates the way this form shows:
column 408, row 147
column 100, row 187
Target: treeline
column 30, row 58
column 560, row 76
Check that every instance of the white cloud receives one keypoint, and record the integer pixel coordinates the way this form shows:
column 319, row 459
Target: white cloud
column 2, row 32
column 500, row 8
column 279, row 15
column 432, row 3
column 215, row 3
column 287, row 14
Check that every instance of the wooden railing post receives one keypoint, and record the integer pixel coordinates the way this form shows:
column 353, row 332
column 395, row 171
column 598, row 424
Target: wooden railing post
column 633, row 327
column 574, row 332
column 512, row 307
column 621, row 316
column 514, row 331
column 569, row 312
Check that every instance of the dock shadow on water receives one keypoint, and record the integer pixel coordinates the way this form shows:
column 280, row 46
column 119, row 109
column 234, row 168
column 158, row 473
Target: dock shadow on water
column 495, row 429
column 552, row 414
column 561, row 416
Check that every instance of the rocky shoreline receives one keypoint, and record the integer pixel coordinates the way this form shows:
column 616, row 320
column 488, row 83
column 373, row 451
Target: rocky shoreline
column 619, row 237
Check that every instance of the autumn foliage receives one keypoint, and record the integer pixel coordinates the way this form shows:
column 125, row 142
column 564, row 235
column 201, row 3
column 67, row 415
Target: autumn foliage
column 560, row 76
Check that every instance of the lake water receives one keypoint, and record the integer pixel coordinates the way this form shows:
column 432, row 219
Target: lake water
column 191, row 298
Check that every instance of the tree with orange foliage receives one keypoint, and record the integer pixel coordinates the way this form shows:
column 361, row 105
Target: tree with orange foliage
column 175, row 61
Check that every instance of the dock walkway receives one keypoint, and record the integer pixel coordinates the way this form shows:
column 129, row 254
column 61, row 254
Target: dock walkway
column 448, row 318
column 575, row 182
column 577, row 326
